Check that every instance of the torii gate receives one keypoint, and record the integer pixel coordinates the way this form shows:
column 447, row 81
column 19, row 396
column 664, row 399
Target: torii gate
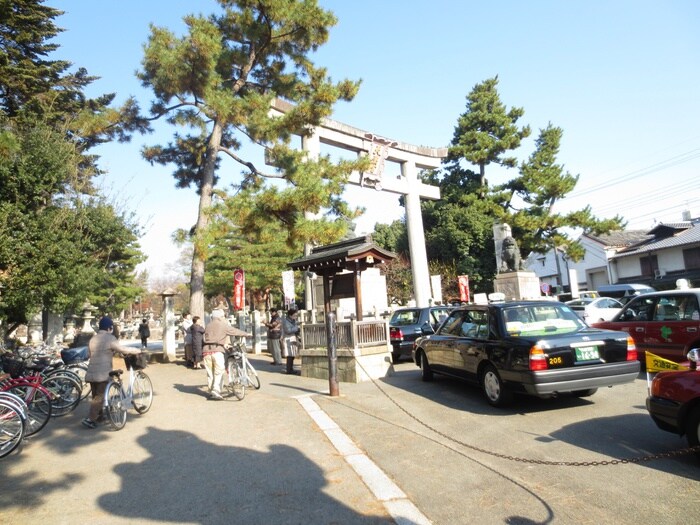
column 411, row 158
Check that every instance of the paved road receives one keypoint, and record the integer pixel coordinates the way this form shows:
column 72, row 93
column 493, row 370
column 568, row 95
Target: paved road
column 265, row 460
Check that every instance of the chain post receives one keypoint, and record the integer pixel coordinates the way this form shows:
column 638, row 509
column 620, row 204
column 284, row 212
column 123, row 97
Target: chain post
column 332, row 355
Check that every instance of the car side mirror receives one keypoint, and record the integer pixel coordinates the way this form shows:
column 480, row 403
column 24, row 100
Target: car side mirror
column 694, row 358
column 426, row 329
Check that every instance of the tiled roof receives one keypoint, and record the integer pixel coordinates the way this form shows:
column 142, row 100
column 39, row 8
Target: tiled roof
column 621, row 238
column 687, row 234
column 341, row 251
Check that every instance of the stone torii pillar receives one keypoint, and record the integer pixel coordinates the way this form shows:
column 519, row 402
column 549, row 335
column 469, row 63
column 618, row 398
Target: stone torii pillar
column 411, row 159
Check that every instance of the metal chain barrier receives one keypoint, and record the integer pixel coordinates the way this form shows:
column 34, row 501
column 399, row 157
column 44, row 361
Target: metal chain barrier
column 602, row 463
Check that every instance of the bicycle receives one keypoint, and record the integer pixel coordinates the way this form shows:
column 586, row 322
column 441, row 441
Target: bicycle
column 31, row 390
column 13, row 422
column 240, row 371
column 138, row 393
column 65, row 385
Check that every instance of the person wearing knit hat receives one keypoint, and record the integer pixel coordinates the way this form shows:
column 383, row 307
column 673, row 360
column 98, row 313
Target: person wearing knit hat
column 144, row 333
column 101, row 348
column 217, row 336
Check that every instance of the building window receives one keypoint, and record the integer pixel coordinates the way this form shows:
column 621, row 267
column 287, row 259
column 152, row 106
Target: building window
column 649, row 265
column 691, row 258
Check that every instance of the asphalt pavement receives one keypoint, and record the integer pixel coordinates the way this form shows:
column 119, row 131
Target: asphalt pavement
column 391, row 451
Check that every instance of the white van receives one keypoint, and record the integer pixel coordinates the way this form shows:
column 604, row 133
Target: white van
column 624, row 292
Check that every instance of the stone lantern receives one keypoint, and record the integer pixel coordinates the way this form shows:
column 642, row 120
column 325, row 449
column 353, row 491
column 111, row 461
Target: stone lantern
column 86, row 331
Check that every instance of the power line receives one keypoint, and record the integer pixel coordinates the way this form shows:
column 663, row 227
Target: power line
column 676, row 190
column 642, row 172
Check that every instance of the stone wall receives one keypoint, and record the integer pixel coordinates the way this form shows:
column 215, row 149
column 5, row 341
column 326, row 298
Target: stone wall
column 353, row 365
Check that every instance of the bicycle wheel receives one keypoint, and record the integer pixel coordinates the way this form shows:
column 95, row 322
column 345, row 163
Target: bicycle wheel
column 80, row 370
column 142, row 394
column 38, row 401
column 12, row 427
column 65, row 391
column 253, row 379
column 235, row 378
column 63, row 371
column 116, row 408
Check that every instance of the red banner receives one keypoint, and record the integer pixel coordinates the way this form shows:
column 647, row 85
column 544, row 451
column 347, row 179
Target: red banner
column 463, row 283
column 238, row 289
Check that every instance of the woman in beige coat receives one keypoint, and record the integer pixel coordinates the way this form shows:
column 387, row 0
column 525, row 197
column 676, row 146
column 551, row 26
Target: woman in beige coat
column 102, row 346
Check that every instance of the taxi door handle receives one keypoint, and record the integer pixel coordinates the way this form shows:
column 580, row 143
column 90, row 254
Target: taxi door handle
column 639, row 329
column 691, row 329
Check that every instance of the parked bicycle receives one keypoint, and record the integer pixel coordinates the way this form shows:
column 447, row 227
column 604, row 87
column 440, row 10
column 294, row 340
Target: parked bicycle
column 64, row 378
column 13, row 422
column 31, row 390
column 137, row 393
column 64, row 385
column 240, row 371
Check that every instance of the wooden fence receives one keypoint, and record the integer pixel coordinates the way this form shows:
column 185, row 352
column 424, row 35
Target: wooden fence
column 349, row 334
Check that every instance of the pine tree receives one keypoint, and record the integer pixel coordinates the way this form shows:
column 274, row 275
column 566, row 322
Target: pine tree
column 543, row 182
column 218, row 82
column 486, row 131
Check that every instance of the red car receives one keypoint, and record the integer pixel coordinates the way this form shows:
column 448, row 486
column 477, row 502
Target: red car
column 666, row 324
column 674, row 403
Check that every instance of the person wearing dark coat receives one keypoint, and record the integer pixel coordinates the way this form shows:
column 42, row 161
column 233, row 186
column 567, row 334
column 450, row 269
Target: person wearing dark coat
column 196, row 333
column 144, row 333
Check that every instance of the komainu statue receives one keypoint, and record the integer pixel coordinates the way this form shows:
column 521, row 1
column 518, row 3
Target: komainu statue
column 510, row 256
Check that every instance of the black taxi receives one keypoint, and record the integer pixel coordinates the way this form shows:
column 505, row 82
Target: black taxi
column 539, row 348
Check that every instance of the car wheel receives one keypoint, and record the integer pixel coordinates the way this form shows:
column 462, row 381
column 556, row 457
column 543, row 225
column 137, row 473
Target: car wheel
column 496, row 394
column 395, row 357
column 692, row 429
column 584, row 393
column 426, row 372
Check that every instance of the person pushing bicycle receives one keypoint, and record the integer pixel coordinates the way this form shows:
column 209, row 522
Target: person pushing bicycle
column 217, row 335
column 101, row 347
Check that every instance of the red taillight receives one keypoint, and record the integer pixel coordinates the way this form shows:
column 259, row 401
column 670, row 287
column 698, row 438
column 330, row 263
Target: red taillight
column 538, row 359
column 655, row 387
column 395, row 333
column 631, row 349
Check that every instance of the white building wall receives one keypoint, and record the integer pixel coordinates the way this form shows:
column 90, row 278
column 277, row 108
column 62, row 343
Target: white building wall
column 671, row 260
column 545, row 266
column 627, row 267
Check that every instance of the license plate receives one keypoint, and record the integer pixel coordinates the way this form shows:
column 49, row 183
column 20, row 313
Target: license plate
column 589, row 353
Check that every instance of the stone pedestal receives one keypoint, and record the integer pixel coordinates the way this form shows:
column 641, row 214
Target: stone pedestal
column 354, row 365
column 34, row 330
column 518, row 285
column 168, row 320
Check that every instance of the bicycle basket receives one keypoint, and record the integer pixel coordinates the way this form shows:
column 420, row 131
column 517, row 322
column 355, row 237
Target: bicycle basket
column 12, row 365
column 136, row 361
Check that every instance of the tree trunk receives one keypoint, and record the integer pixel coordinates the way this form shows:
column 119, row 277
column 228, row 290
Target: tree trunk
column 200, row 248
column 482, row 180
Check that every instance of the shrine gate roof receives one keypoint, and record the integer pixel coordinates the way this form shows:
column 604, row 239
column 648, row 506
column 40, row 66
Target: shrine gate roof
column 345, row 255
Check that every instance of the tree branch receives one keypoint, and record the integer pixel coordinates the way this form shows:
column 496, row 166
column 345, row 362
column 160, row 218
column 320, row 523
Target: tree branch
column 249, row 165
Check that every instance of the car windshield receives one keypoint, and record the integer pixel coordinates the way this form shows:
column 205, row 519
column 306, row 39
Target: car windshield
column 544, row 319
column 405, row 317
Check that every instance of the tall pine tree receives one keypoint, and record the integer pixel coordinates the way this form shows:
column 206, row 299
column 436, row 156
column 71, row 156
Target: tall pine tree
column 530, row 200
column 218, row 82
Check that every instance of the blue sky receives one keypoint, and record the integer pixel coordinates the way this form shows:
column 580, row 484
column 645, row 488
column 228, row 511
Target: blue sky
column 621, row 78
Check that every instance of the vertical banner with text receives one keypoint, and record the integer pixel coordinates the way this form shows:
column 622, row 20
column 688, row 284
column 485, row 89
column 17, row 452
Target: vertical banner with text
column 463, row 283
column 288, row 288
column 238, row 289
